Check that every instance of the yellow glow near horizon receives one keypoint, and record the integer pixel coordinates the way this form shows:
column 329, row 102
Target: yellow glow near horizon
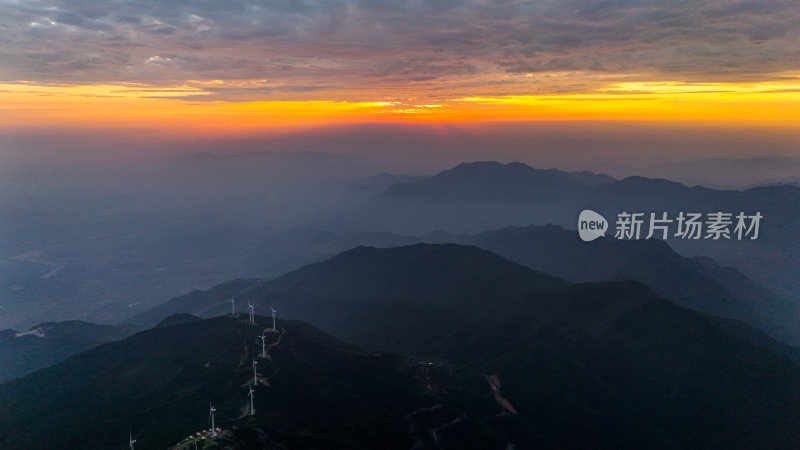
column 191, row 106
column 146, row 107
column 760, row 103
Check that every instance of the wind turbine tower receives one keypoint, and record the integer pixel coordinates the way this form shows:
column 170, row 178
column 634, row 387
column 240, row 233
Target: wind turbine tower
column 233, row 307
column 273, row 318
column 255, row 376
column 131, row 440
column 251, row 395
column 252, row 312
column 211, row 410
column 263, row 345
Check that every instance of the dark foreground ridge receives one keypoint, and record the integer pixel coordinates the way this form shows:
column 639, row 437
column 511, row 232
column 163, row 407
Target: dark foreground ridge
column 312, row 391
column 587, row 365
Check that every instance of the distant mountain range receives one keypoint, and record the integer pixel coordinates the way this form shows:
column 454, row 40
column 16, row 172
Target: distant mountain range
column 478, row 196
column 588, row 365
column 698, row 283
column 113, row 258
column 733, row 172
column 493, row 177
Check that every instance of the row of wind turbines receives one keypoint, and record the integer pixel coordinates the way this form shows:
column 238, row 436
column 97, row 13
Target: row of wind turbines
column 263, row 337
column 251, row 392
column 252, row 309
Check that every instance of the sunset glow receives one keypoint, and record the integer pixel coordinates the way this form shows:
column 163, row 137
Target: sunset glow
column 183, row 107
column 228, row 68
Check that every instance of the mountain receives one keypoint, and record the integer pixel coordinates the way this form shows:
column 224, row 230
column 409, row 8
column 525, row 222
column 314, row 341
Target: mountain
column 48, row 343
column 375, row 185
column 615, row 348
column 112, row 254
column 489, row 180
column 732, row 171
column 313, row 392
column 199, row 303
column 177, row 319
column 474, row 197
column 695, row 282
column 401, row 296
column 494, row 177
column 407, row 279
column 698, row 283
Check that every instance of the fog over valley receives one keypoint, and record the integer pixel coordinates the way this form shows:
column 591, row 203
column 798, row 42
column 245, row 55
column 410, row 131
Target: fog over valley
column 95, row 230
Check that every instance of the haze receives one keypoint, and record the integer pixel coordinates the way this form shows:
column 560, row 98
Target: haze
column 154, row 144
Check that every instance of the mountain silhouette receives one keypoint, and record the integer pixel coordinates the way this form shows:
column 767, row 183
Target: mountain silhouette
column 313, row 391
column 699, row 283
column 579, row 360
column 479, row 196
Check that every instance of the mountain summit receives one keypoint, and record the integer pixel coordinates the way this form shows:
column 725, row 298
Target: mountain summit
column 607, row 364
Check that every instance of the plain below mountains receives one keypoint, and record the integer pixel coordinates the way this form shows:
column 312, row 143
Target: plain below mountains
column 48, row 343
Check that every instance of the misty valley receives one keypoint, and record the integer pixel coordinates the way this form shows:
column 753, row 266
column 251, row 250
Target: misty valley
column 456, row 310
column 416, row 225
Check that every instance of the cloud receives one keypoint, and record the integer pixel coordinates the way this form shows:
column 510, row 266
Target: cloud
column 439, row 46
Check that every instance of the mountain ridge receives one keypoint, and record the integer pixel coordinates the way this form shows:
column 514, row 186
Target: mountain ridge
column 313, row 391
column 607, row 364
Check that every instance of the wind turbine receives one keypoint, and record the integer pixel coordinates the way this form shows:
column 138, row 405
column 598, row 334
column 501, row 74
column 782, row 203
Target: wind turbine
column 255, row 377
column 211, row 410
column 263, row 345
column 252, row 396
column 252, row 312
column 273, row 317
column 131, row 440
column 233, row 307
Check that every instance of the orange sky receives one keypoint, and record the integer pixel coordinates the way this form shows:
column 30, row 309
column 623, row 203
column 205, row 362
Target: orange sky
column 216, row 67
column 182, row 108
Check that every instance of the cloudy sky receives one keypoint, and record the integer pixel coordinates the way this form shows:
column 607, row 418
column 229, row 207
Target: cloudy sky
column 226, row 65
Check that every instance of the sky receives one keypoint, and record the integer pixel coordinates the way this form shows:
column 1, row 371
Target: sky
column 226, row 67
column 128, row 120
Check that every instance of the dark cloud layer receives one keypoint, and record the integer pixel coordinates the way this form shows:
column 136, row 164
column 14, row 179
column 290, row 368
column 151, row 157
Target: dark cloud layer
column 300, row 46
